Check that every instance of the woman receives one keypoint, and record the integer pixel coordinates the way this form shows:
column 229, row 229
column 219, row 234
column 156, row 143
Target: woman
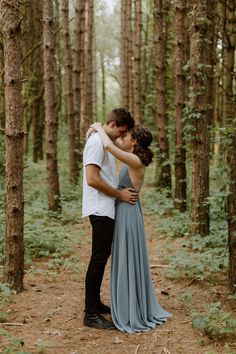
column 134, row 307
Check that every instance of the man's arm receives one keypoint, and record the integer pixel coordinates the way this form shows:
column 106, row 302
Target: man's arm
column 94, row 180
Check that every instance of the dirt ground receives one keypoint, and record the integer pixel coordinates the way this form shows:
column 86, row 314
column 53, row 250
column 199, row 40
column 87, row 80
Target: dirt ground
column 48, row 315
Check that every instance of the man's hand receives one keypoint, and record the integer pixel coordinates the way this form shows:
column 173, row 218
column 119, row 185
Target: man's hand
column 128, row 195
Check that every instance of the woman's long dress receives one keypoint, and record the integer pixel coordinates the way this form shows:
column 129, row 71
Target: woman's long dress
column 134, row 306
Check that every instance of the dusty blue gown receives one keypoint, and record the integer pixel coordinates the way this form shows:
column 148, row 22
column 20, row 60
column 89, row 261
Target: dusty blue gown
column 134, row 306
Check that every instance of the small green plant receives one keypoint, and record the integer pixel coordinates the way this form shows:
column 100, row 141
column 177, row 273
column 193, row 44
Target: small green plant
column 2, row 153
column 214, row 322
column 157, row 202
column 5, row 293
column 13, row 345
column 197, row 256
column 186, row 297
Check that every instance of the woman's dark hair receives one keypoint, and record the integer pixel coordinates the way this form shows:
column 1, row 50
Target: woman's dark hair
column 122, row 117
column 143, row 138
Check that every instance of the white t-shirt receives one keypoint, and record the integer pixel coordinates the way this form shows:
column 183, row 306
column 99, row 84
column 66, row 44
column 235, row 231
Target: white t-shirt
column 95, row 202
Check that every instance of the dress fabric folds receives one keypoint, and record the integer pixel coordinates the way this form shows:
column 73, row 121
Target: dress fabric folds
column 134, row 306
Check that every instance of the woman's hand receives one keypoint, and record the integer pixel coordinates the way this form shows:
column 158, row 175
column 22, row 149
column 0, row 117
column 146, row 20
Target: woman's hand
column 96, row 126
column 106, row 141
column 92, row 129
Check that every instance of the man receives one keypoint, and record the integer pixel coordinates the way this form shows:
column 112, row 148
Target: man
column 99, row 195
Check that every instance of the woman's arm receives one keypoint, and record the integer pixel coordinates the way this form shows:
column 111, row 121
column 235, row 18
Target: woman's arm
column 126, row 157
column 119, row 143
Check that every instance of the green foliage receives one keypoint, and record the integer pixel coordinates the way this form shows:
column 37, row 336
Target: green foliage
column 214, row 322
column 2, row 154
column 5, row 293
column 193, row 256
column 198, row 256
column 189, row 116
column 2, row 223
column 174, row 225
column 226, row 136
column 14, row 344
column 186, row 297
column 47, row 233
column 157, row 202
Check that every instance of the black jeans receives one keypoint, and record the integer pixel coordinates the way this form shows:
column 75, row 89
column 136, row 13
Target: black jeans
column 102, row 235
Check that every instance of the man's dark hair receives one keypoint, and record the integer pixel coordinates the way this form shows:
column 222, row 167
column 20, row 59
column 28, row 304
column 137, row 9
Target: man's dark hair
column 122, row 117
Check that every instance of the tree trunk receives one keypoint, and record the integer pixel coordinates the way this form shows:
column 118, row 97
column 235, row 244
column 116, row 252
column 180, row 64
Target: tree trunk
column 69, row 93
column 103, row 70
column 90, row 61
column 2, row 101
column 37, row 85
column 149, row 64
column 164, row 179
column 28, row 31
column 79, row 71
column 130, row 55
column 124, row 73
column 87, row 98
column 199, row 116
column 217, row 84
column 58, row 56
column 145, row 69
column 211, row 59
column 180, row 151
column 14, row 249
column 50, row 107
column 230, row 119
column 137, row 60
column 94, row 73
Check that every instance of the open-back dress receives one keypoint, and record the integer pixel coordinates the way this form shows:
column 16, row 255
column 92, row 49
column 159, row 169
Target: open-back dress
column 134, row 306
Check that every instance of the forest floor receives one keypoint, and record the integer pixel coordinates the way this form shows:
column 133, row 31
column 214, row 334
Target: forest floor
column 48, row 315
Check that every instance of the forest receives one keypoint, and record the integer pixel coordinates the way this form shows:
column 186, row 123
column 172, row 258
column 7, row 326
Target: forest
column 65, row 64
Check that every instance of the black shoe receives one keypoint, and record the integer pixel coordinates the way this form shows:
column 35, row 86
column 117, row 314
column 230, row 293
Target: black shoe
column 98, row 321
column 103, row 309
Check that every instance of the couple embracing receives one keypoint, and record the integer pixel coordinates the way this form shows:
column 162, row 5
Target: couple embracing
column 117, row 223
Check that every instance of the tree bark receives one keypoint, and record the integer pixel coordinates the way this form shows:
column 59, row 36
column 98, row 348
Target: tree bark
column 14, row 247
column 87, row 98
column 217, row 84
column 164, row 179
column 180, row 150
column 199, row 117
column 28, row 31
column 137, row 60
column 79, row 72
column 2, row 100
column 231, row 121
column 124, row 73
column 37, row 107
column 129, row 37
column 69, row 93
column 58, row 57
column 103, row 71
column 51, row 122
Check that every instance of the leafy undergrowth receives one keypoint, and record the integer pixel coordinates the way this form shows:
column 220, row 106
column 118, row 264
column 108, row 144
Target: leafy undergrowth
column 46, row 234
column 197, row 258
column 54, row 237
column 194, row 256
column 214, row 322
